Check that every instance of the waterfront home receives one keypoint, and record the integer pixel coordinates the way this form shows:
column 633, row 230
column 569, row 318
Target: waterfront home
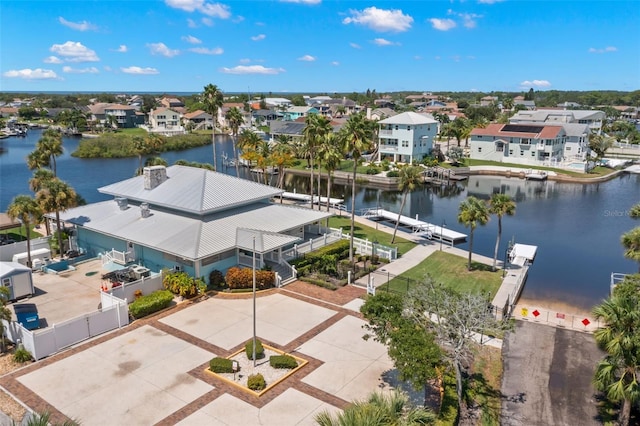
column 186, row 218
column 593, row 118
column 295, row 112
column 526, row 144
column 165, row 120
column 199, row 118
column 406, row 137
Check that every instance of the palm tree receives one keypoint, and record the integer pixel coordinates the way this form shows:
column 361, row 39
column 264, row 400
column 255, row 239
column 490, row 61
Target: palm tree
column 264, row 158
column 472, row 212
column 331, row 154
column 49, row 147
column 248, row 142
column 379, row 410
column 635, row 211
column 631, row 243
column 316, row 128
column 282, row 157
column 356, row 139
column 140, row 148
column 618, row 375
column 409, row 179
column 26, row 210
column 213, row 99
column 235, row 119
column 56, row 195
column 500, row 205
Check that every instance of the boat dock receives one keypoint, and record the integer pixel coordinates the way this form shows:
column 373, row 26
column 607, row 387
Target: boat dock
column 305, row 198
column 535, row 175
column 425, row 229
column 515, row 275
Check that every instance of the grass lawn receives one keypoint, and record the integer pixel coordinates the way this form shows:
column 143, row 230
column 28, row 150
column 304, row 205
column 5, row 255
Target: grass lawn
column 18, row 234
column 136, row 131
column 485, row 383
column 596, row 172
column 371, row 234
column 450, row 270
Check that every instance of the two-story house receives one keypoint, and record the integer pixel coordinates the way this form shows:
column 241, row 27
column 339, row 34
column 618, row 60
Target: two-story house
column 125, row 116
column 593, row 118
column 295, row 112
column 164, row 119
column 526, row 144
column 406, row 137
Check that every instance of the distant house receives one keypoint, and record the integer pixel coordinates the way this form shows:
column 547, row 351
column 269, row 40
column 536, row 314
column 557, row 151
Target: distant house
column 380, row 113
column 188, row 219
column 277, row 102
column 593, row 118
column 295, row 112
column 406, row 137
column 526, row 144
column 291, row 129
column 171, row 102
column 199, row 118
column 488, row 100
column 125, row 115
column 520, row 100
column 424, row 97
column 266, row 115
column 163, row 120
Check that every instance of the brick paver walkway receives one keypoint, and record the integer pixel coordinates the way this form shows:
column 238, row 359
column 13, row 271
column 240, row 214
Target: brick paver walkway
column 329, row 299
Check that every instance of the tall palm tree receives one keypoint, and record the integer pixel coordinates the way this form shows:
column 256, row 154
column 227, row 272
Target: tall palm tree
column 631, row 243
column 264, row 158
column 235, row 119
column 635, row 211
column 282, row 157
column 500, row 205
column 356, row 139
column 48, row 147
column 213, row 99
column 316, row 129
column 140, row 148
column 472, row 212
column 37, row 182
column 26, row 210
column 331, row 153
column 408, row 180
column 56, row 196
column 618, row 375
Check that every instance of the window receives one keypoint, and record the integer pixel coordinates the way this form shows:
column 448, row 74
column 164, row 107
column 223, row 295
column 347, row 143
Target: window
column 499, row 147
column 568, row 148
column 479, row 149
column 510, row 152
column 521, row 152
column 396, row 127
column 408, row 127
column 6, row 282
column 405, row 144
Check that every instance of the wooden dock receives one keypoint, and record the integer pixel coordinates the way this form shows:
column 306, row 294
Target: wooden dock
column 306, row 198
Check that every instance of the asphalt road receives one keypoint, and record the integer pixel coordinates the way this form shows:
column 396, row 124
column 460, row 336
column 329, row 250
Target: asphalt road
column 547, row 376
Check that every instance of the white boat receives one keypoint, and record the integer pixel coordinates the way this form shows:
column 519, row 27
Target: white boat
column 535, row 175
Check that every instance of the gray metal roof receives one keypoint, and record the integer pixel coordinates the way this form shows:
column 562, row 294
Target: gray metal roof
column 408, row 118
column 287, row 127
column 190, row 237
column 193, row 190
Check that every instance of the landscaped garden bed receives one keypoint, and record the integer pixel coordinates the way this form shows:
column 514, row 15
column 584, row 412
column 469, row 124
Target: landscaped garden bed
column 271, row 367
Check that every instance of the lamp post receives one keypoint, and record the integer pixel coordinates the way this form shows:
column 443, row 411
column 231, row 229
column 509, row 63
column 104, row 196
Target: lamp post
column 444, row 223
column 254, row 301
column 373, row 251
column 506, row 259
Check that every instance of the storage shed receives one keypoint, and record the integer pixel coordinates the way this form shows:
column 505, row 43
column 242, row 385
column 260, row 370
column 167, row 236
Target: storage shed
column 17, row 278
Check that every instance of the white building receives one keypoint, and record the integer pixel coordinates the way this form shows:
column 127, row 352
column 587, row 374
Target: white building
column 593, row 118
column 406, row 137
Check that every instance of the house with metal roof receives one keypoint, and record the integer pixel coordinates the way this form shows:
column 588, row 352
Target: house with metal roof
column 526, row 144
column 406, row 137
column 593, row 118
column 187, row 218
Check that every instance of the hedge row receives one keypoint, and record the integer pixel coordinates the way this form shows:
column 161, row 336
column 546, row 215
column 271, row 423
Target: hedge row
column 150, row 303
column 221, row 365
column 243, row 278
column 339, row 249
column 283, row 361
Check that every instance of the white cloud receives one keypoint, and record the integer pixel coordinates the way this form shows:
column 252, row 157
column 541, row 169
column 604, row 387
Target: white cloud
column 191, row 39
column 383, row 42
column 442, row 24
column 89, row 70
column 237, row 19
column 191, row 23
column 258, row 37
column 307, row 58
column 80, row 26
column 29, row 74
column 107, row 68
column 122, row 48
column 74, row 51
column 216, row 10
column 245, row 61
column 162, row 49
column 605, row 50
column 335, row 63
column 302, row 1
column 355, row 45
column 52, row 60
column 138, row 70
column 380, row 19
column 252, row 69
column 535, row 83
column 469, row 20
column 207, row 21
column 489, row 1
column 207, row 51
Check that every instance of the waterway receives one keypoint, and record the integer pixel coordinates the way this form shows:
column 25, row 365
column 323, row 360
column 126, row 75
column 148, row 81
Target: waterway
column 577, row 227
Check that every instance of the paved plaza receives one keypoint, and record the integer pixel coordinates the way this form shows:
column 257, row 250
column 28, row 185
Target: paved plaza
column 153, row 371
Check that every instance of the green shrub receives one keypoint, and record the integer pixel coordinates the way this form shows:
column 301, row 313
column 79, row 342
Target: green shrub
column 372, row 170
column 221, row 365
column 183, row 284
column 248, row 349
column 243, row 278
column 150, row 303
column 22, row 355
column 216, row 279
column 283, row 361
column 256, row 382
column 393, row 173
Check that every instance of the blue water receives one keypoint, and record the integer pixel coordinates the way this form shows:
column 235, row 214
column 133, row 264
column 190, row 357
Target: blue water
column 576, row 227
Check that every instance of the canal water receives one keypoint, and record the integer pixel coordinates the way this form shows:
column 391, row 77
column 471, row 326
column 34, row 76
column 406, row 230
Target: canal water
column 577, row 227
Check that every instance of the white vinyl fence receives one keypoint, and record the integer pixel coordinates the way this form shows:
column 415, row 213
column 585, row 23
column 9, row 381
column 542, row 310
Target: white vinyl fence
column 42, row 343
column 127, row 291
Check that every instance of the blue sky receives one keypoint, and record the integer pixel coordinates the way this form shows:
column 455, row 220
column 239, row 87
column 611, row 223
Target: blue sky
column 319, row 45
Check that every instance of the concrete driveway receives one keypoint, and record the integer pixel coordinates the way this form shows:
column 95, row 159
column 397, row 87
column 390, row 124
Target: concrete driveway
column 547, row 376
column 152, row 372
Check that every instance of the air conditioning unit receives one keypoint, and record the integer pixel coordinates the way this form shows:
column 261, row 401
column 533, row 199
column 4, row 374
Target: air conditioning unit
column 144, row 210
column 139, row 271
